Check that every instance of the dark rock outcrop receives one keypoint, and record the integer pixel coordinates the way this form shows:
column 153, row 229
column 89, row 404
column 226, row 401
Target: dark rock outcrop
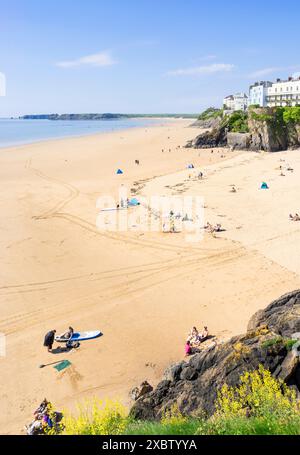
column 282, row 315
column 210, row 139
column 138, row 392
column 213, row 122
column 192, row 385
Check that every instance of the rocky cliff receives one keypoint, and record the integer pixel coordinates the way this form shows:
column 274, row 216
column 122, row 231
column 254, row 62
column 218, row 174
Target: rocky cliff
column 192, row 385
column 268, row 129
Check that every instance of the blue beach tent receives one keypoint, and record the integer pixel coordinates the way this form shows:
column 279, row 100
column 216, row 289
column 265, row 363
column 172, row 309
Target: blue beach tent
column 264, row 186
column 119, row 171
column 190, row 166
column 133, row 202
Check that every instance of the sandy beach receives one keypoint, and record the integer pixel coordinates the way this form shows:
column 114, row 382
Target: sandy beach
column 143, row 290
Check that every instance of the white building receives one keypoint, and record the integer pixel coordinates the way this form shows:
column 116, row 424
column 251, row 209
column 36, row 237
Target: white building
column 228, row 103
column 284, row 93
column 279, row 93
column 237, row 102
column 258, row 93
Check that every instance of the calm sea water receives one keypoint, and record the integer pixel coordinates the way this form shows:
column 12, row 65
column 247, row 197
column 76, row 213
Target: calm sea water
column 18, row 132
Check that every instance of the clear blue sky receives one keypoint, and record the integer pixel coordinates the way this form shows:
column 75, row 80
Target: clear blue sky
column 141, row 55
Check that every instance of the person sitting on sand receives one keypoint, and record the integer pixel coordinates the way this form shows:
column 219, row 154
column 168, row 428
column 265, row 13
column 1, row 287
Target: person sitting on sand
column 68, row 334
column 193, row 335
column 233, row 189
column 208, row 226
column 188, row 348
column 36, row 426
column 295, row 217
column 43, row 408
column 204, row 334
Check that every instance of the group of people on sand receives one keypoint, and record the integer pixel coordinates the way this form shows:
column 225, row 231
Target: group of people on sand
column 194, row 339
column 44, row 419
column 211, row 228
column 50, row 338
column 295, row 217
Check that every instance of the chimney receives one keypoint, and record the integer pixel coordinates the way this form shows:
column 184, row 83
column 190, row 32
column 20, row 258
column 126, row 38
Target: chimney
column 290, row 78
column 278, row 80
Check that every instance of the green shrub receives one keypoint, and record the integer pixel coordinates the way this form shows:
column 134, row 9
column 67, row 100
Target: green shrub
column 259, row 405
column 289, row 343
column 238, row 122
column 273, row 341
column 291, row 114
column 210, row 113
column 258, row 394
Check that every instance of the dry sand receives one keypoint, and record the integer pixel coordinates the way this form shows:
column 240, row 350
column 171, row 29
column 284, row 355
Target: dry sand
column 143, row 290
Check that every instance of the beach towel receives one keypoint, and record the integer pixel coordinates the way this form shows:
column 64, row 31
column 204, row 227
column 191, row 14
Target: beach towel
column 62, row 365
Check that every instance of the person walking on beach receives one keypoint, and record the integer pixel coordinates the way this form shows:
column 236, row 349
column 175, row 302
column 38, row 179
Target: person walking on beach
column 49, row 340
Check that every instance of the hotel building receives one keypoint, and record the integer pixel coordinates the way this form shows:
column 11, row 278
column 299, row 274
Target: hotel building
column 279, row 93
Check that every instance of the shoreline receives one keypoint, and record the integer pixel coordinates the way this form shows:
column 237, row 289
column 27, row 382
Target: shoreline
column 60, row 270
column 87, row 135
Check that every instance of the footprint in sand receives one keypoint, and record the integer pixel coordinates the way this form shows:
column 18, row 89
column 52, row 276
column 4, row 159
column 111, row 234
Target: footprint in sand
column 73, row 376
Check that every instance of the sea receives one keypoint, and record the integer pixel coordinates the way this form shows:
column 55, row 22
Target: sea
column 14, row 132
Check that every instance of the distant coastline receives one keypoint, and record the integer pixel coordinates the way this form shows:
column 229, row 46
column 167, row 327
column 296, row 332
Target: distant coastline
column 104, row 116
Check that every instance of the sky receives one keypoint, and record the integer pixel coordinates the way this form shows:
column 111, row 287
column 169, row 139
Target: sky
column 140, row 56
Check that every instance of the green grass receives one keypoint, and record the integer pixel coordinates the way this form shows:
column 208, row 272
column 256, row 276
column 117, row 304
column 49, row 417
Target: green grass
column 272, row 342
column 188, row 427
column 267, row 425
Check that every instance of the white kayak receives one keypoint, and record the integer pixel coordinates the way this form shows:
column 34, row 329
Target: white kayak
column 80, row 336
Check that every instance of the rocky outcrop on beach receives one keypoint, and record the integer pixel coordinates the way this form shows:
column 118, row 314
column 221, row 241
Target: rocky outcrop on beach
column 262, row 129
column 210, row 123
column 217, row 137
column 192, row 385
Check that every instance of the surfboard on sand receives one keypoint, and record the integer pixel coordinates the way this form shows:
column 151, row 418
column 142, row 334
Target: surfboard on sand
column 109, row 209
column 80, row 336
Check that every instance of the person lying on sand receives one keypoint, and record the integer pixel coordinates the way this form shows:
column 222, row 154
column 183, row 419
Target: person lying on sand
column 210, row 228
column 295, row 217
